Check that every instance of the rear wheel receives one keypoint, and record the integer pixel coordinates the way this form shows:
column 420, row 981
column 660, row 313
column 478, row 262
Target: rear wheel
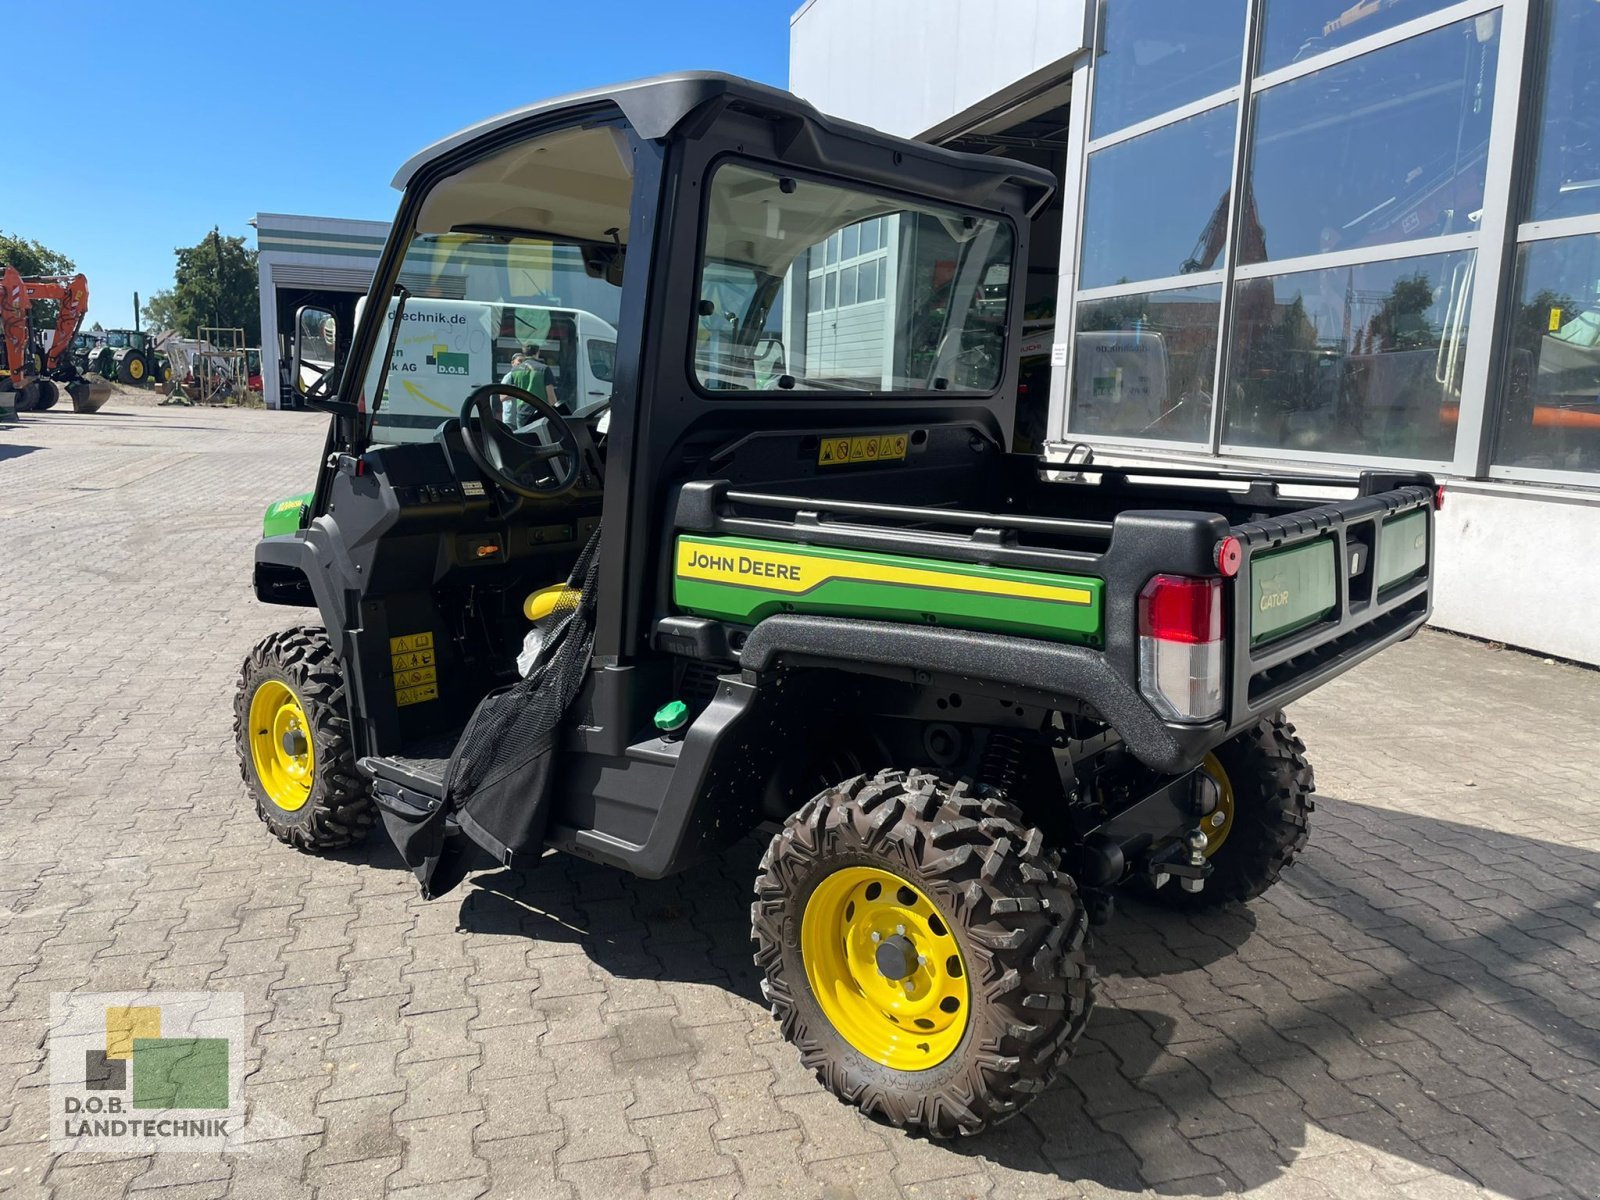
column 293, row 736
column 1262, row 819
column 49, row 393
column 132, row 369
column 922, row 950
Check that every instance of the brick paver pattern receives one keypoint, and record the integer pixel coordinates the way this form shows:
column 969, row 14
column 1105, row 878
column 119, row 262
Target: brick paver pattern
column 1413, row 1011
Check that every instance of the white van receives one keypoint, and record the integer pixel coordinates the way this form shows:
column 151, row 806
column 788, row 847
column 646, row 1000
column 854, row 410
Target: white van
column 447, row 348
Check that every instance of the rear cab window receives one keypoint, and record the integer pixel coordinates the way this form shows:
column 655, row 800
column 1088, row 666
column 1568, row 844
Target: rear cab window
column 809, row 286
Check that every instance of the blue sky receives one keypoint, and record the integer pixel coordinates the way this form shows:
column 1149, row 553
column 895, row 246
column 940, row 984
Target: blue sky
column 164, row 118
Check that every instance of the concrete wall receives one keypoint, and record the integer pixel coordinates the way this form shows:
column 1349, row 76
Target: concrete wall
column 1521, row 566
column 910, row 66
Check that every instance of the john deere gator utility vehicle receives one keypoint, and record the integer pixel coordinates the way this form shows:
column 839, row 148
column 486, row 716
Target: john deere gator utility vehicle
column 791, row 577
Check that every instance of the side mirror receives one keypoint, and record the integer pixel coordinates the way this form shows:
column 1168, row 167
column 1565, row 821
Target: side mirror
column 316, row 347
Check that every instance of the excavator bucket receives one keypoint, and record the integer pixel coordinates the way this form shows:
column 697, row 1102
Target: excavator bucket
column 89, row 393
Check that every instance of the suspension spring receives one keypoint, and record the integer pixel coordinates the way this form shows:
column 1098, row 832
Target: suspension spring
column 1002, row 762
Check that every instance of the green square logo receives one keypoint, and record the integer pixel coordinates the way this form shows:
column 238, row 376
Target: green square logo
column 180, row 1073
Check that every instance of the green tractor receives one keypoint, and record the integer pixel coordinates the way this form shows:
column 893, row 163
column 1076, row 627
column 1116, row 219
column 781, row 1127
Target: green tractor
column 126, row 355
column 774, row 584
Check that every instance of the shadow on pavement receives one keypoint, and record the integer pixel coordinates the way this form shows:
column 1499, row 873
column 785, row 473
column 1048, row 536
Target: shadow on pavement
column 1415, row 986
column 15, row 450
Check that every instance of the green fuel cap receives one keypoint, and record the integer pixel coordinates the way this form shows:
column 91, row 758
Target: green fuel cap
column 672, row 716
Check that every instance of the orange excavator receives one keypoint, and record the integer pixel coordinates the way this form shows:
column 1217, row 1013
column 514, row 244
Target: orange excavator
column 31, row 370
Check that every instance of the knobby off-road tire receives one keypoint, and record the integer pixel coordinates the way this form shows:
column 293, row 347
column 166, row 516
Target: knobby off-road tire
column 338, row 809
column 1015, row 917
column 1271, row 781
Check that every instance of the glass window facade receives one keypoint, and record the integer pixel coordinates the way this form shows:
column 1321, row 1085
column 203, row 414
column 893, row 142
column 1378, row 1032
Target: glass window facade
column 1567, row 172
column 1153, row 197
column 1297, row 30
column 1362, row 360
column 1551, row 415
column 1388, row 147
column 1385, row 217
column 1156, row 55
column 1145, row 364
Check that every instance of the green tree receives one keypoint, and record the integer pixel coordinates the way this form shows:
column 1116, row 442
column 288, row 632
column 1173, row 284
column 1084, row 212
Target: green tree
column 160, row 311
column 1401, row 323
column 33, row 258
column 215, row 284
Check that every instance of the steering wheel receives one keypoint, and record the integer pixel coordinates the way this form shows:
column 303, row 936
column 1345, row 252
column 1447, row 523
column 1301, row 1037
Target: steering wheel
column 520, row 463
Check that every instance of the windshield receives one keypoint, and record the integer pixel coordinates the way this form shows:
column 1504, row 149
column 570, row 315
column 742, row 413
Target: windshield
column 808, row 286
column 513, row 276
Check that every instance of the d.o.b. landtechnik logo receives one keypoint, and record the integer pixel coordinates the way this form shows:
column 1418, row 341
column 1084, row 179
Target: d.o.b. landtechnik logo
column 146, row 1071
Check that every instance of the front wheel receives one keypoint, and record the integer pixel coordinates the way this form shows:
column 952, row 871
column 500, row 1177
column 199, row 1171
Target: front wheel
column 922, row 950
column 1263, row 814
column 293, row 736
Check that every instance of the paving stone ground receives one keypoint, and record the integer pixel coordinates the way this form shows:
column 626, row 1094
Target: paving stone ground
column 1414, row 1012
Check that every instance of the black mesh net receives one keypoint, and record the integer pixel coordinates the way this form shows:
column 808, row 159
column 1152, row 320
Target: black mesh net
column 497, row 786
column 499, row 778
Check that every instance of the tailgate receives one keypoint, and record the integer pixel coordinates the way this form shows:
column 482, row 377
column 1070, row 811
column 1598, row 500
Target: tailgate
column 1320, row 590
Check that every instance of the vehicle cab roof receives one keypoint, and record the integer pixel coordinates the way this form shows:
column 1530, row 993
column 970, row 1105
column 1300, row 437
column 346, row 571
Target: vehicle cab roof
column 658, row 107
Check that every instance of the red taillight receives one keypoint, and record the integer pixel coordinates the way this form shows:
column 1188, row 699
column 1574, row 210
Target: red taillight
column 1438, row 498
column 1230, row 556
column 1181, row 646
column 1175, row 608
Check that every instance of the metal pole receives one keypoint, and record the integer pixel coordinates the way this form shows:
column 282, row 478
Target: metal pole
column 216, row 249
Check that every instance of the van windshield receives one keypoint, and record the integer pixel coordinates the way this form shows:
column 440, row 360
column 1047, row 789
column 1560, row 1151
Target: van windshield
column 491, row 309
column 811, row 287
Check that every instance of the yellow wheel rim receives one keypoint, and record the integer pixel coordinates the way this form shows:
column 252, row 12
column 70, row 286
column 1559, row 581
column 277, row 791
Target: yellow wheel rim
column 885, row 968
column 136, row 368
column 280, row 745
column 1220, row 822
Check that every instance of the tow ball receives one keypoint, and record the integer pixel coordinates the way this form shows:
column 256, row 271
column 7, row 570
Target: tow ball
column 1187, row 861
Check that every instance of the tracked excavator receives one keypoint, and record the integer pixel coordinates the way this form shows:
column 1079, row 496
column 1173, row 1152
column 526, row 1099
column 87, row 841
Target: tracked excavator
column 34, row 372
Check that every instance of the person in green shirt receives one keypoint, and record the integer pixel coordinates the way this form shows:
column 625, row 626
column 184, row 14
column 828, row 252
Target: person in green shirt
column 531, row 375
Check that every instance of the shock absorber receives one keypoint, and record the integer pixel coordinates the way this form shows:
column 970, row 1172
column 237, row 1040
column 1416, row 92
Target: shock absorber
column 1002, row 762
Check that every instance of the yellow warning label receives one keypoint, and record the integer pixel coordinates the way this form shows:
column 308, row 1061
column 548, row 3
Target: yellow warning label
column 416, row 695
column 874, row 447
column 1555, row 320
column 406, row 679
column 416, row 673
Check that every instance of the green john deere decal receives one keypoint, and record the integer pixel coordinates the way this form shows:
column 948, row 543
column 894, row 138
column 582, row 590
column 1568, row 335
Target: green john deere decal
column 284, row 516
column 446, row 362
column 1291, row 589
column 746, row 579
column 1402, row 547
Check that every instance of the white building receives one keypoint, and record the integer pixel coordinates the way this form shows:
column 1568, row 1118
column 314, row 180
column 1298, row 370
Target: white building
column 325, row 262
column 1412, row 278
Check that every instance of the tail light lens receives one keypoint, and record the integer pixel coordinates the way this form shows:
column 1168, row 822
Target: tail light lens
column 1181, row 647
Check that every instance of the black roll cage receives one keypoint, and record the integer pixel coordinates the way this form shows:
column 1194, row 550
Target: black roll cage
column 677, row 128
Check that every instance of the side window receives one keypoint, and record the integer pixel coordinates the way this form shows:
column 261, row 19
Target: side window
column 602, row 359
